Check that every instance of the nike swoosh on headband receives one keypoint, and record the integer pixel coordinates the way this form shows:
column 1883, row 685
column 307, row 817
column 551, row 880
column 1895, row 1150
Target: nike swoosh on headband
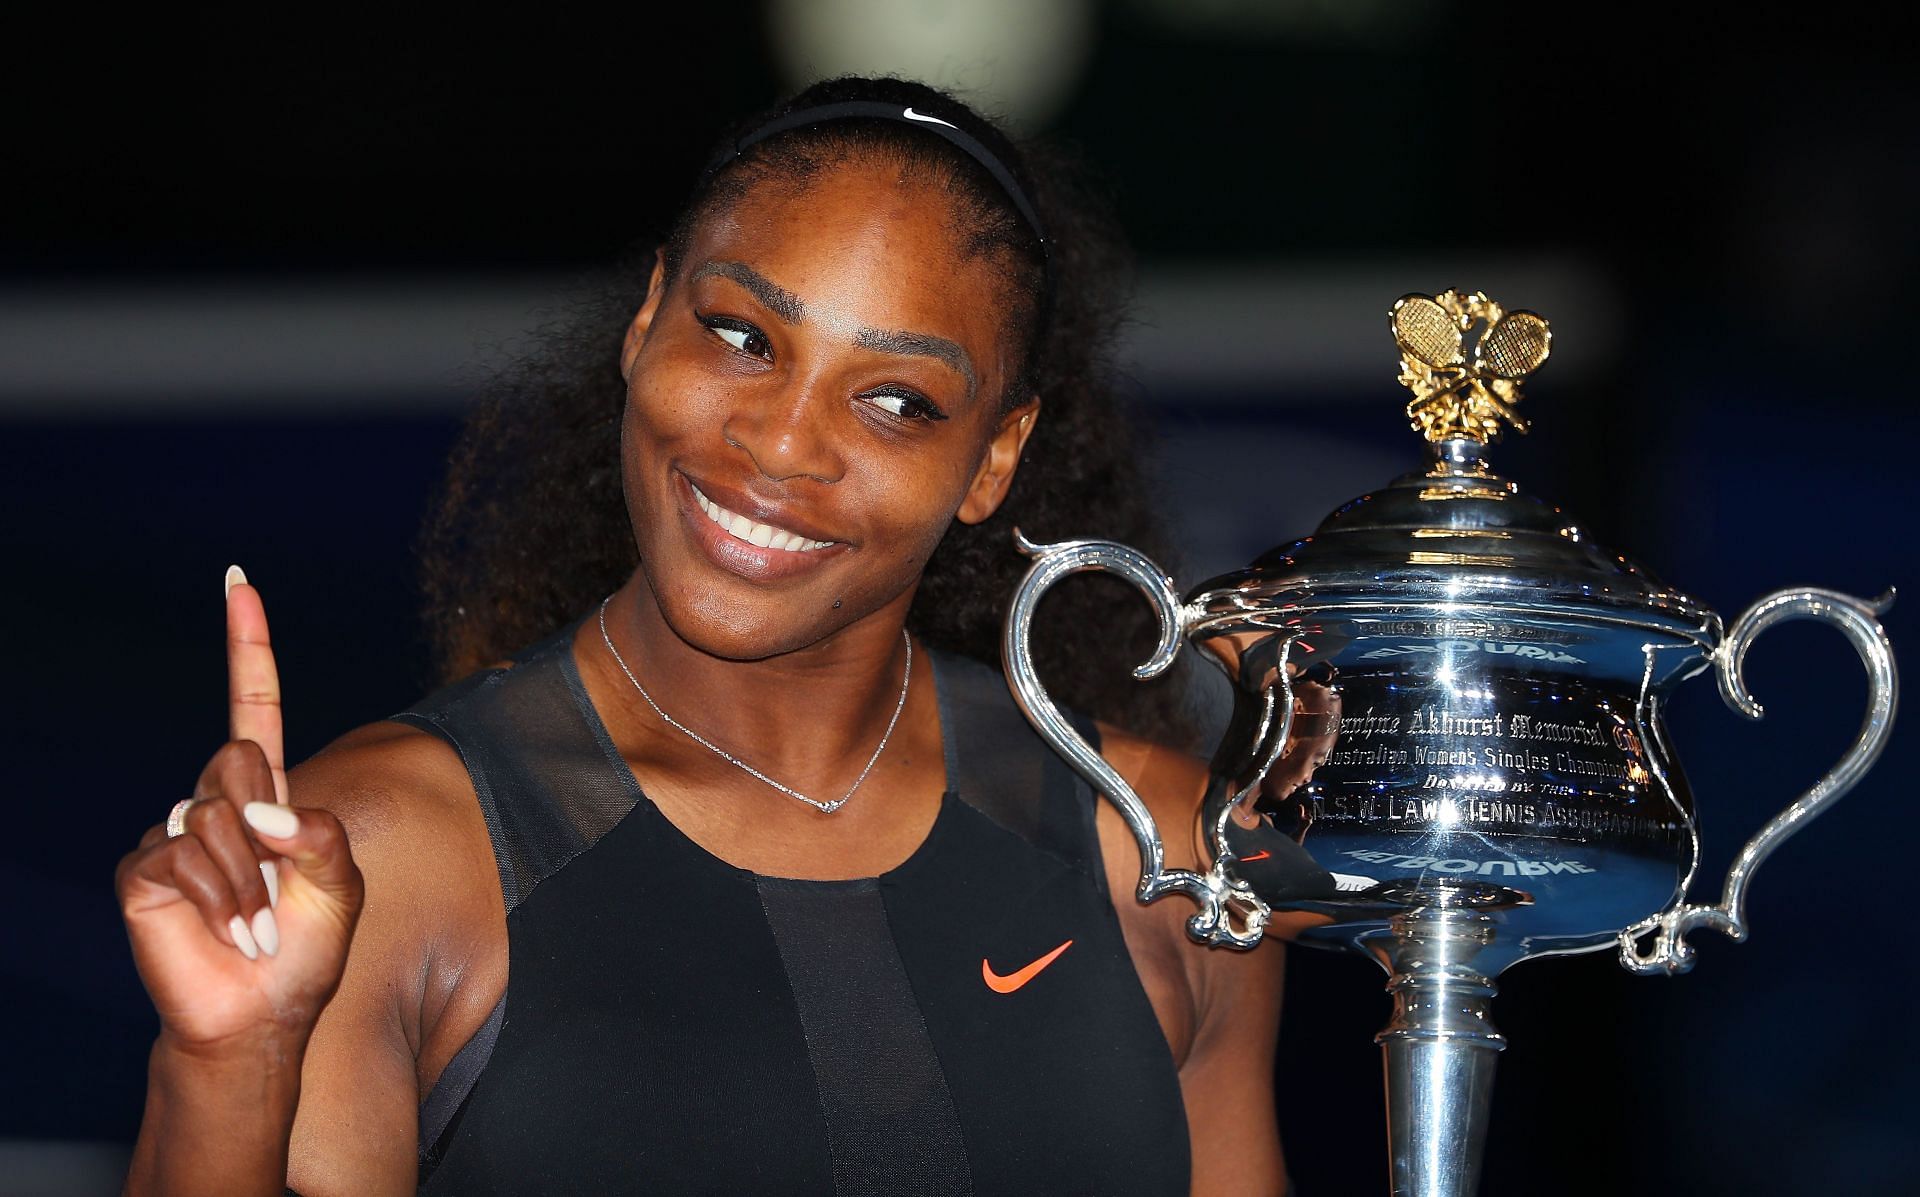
column 911, row 115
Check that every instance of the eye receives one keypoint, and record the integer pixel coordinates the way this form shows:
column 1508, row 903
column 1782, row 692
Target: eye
column 907, row 405
column 739, row 335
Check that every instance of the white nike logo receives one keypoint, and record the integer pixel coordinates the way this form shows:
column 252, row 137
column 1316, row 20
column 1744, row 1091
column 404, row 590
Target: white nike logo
column 911, row 115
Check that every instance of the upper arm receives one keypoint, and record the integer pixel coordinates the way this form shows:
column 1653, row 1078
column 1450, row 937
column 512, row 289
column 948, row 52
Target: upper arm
column 1228, row 1077
column 396, row 791
column 1231, row 1011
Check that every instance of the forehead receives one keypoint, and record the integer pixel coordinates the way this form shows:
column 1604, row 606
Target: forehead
column 861, row 247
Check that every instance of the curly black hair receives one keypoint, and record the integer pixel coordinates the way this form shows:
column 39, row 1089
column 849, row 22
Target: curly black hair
column 529, row 528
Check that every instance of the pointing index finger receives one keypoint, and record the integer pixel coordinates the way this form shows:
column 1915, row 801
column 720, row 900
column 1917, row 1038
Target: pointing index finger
column 253, row 681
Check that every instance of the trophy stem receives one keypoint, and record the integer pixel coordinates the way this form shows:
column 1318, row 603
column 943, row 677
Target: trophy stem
column 1439, row 1050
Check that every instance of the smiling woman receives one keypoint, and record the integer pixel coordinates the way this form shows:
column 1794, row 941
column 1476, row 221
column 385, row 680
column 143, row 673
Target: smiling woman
column 678, row 575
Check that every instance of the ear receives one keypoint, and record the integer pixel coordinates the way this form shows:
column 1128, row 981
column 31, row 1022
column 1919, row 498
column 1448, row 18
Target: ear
column 643, row 319
column 990, row 482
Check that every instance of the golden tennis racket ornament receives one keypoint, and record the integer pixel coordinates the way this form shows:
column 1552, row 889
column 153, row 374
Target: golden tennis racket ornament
column 1454, row 399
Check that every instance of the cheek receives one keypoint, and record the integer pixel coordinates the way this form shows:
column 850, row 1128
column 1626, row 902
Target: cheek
column 653, row 432
column 668, row 414
column 917, row 499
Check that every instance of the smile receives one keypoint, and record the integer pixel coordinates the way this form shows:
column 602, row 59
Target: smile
column 764, row 536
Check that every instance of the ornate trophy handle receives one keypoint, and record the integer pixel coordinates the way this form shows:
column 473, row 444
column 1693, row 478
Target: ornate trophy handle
column 1211, row 890
column 1670, row 953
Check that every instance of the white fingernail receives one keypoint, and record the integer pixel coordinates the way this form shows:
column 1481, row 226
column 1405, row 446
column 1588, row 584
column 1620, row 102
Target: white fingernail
column 243, row 938
column 266, row 932
column 235, row 577
column 270, row 873
column 272, row 819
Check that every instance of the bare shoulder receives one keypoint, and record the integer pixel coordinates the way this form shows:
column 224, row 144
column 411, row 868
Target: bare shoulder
column 397, row 789
column 433, row 907
column 387, row 781
column 415, row 829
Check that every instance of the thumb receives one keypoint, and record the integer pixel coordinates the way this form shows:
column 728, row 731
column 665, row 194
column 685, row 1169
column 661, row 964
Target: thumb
column 315, row 842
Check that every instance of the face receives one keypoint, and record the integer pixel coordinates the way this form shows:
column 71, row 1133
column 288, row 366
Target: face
column 810, row 404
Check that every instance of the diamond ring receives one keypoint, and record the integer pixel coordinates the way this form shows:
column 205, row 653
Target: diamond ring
column 177, row 817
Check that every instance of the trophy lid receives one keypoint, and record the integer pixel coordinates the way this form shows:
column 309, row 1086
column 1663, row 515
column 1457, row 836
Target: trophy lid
column 1456, row 533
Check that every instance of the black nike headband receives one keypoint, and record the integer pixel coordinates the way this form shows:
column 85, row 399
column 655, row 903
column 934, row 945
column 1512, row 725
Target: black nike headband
column 874, row 110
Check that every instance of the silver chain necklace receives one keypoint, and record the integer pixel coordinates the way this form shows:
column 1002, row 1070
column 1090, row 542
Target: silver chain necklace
column 736, row 762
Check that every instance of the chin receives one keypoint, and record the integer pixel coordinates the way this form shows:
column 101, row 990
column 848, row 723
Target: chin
column 738, row 627
column 736, row 622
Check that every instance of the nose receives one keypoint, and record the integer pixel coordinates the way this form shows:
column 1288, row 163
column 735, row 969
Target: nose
column 788, row 432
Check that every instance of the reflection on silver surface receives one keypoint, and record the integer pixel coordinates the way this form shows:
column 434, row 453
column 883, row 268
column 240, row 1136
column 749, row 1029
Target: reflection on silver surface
column 1446, row 748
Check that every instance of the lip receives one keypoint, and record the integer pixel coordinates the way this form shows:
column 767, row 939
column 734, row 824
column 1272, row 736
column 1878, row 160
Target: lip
column 740, row 557
column 758, row 510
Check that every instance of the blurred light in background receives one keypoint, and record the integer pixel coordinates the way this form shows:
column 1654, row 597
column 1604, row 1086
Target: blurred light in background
column 1325, row 21
column 1015, row 58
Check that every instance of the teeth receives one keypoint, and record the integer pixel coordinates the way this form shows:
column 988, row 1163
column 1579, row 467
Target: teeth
column 760, row 535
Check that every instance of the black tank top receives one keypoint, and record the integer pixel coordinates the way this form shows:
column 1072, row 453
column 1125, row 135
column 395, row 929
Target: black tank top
column 673, row 1024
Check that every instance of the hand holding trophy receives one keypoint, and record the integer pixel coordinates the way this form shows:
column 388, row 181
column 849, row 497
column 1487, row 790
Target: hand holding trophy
column 1446, row 749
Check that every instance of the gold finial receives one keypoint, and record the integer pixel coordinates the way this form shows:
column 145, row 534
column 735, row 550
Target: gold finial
column 1452, row 399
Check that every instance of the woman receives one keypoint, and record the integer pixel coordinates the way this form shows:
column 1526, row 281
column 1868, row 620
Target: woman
column 793, row 900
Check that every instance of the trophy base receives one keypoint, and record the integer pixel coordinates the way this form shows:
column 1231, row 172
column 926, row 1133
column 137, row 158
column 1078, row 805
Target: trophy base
column 1438, row 1051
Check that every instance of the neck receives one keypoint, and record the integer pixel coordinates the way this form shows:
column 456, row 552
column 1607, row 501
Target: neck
column 809, row 718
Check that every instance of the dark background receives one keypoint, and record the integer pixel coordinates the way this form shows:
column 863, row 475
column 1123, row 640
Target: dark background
column 1721, row 202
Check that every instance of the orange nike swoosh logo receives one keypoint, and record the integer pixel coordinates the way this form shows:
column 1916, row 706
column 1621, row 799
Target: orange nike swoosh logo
column 1015, row 980
column 1262, row 854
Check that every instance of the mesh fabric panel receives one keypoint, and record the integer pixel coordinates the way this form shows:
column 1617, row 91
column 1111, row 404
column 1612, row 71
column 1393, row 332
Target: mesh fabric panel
column 891, row 1124
column 1008, row 773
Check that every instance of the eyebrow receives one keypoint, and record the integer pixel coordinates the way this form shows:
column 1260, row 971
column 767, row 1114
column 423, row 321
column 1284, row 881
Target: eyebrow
column 778, row 300
column 921, row 345
column 786, row 305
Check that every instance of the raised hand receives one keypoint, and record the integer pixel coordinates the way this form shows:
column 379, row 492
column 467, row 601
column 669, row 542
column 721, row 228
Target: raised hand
column 225, row 957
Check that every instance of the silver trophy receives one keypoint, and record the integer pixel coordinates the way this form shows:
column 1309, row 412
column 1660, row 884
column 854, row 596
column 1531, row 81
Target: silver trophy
column 1446, row 748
